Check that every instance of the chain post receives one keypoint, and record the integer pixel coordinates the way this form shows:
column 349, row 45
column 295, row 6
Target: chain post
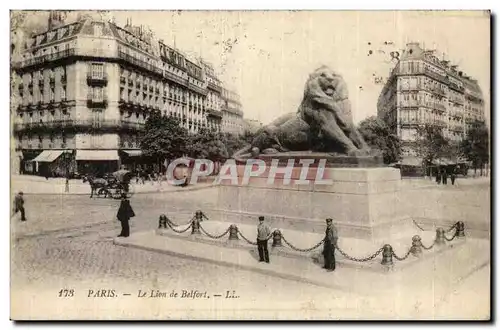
column 460, row 230
column 440, row 236
column 277, row 238
column 416, row 246
column 195, row 228
column 162, row 222
column 387, row 253
column 233, row 232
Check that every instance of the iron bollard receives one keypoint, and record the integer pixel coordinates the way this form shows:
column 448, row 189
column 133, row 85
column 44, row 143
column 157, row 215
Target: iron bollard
column 440, row 236
column 460, row 229
column 199, row 215
column 233, row 232
column 416, row 246
column 387, row 255
column 162, row 223
column 195, row 226
column 277, row 238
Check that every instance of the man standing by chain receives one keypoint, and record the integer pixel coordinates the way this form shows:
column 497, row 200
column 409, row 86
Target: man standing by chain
column 329, row 245
column 263, row 233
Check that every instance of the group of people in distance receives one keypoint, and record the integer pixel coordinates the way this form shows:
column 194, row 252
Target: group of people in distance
column 443, row 174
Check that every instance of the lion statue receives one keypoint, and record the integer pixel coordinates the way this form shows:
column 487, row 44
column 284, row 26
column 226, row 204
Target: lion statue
column 322, row 123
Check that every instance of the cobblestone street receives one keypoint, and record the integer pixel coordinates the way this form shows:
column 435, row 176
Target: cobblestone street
column 67, row 243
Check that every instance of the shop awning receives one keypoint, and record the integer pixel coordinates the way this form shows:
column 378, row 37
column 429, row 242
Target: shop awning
column 133, row 153
column 48, row 156
column 411, row 161
column 97, row 155
column 444, row 161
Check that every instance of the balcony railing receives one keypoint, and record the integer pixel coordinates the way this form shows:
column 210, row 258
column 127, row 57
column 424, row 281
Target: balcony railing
column 65, row 123
column 214, row 87
column 48, row 58
column 97, row 79
column 58, row 123
column 131, row 124
column 438, row 77
column 457, row 100
column 93, row 102
column 456, row 87
column 439, row 106
column 436, row 90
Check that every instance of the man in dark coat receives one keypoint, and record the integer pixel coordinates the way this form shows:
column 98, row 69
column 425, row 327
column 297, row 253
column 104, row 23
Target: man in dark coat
column 19, row 205
column 438, row 175
column 330, row 242
column 125, row 212
column 453, row 176
column 445, row 176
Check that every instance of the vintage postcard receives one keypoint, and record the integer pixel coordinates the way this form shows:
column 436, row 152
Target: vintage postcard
column 257, row 165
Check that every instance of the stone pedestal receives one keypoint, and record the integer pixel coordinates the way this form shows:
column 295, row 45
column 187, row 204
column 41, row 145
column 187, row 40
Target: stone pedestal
column 363, row 202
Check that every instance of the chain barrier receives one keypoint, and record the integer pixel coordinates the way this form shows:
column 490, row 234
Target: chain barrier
column 214, row 236
column 452, row 237
column 418, row 226
column 368, row 258
column 182, row 230
column 452, row 227
column 301, row 250
column 401, row 258
column 246, row 239
column 428, row 247
column 373, row 256
column 177, row 225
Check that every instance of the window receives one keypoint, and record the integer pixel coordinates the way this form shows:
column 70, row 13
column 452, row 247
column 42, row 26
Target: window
column 97, row 93
column 96, row 117
column 97, row 70
column 98, row 30
column 63, row 93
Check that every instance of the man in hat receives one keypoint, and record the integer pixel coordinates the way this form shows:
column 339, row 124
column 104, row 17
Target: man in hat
column 329, row 245
column 263, row 233
column 19, row 205
column 125, row 212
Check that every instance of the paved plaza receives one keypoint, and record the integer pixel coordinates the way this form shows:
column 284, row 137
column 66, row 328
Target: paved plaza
column 69, row 240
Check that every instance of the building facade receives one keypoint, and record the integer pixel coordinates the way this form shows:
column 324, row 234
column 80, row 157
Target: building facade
column 213, row 100
column 85, row 90
column 232, row 113
column 423, row 89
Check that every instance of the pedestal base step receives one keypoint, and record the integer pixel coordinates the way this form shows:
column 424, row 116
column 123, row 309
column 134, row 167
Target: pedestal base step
column 433, row 275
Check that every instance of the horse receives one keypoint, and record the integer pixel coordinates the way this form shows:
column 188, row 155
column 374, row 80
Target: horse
column 97, row 183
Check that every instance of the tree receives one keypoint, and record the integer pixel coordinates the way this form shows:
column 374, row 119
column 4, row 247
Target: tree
column 475, row 146
column 207, row 144
column 163, row 138
column 430, row 143
column 378, row 136
column 234, row 142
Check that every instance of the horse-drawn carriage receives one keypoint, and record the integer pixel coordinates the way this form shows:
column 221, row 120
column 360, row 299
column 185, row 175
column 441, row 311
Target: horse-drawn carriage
column 112, row 186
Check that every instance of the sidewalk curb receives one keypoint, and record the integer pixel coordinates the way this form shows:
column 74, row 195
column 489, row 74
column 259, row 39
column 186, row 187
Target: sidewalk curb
column 136, row 193
column 57, row 230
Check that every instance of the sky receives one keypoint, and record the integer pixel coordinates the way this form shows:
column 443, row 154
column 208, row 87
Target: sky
column 266, row 56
